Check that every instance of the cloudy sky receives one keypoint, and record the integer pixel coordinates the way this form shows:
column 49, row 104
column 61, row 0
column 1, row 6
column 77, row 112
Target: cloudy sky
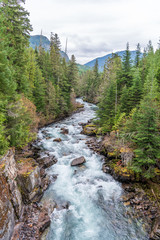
column 95, row 28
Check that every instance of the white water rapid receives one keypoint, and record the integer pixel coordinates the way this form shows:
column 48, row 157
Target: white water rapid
column 94, row 210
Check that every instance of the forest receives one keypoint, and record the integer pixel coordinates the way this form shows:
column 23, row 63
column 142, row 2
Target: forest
column 128, row 97
column 38, row 87
column 35, row 85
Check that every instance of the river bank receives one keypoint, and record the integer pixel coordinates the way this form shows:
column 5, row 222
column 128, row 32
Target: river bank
column 139, row 194
column 23, row 181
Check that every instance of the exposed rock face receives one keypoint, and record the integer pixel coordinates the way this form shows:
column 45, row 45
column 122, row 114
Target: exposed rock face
column 11, row 205
column 28, row 178
column 78, row 161
column 23, row 181
column 7, row 220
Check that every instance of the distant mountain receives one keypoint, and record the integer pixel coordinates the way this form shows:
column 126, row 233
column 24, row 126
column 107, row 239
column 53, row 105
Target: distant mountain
column 102, row 60
column 82, row 68
column 35, row 41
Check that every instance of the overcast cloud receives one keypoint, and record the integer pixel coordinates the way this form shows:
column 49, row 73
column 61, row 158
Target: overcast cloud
column 97, row 27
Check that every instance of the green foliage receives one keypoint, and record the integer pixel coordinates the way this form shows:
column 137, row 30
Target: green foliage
column 18, row 121
column 16, row 35
column 3, row 140
column 29, row 76
column 129, row 101
column 138, row 54
column 146, row 138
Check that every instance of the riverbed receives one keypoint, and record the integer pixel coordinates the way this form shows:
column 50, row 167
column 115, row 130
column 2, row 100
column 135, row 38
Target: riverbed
column 89, row 205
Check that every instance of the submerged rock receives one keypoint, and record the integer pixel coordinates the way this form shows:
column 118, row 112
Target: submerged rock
column 78, row 161
column 64, row 131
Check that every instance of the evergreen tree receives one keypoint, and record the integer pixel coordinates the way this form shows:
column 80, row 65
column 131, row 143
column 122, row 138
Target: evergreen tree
column 55, row 57
column 138, row 54
column 126, row 63
column 72, row 72
column 147, row 138
column 16, row 38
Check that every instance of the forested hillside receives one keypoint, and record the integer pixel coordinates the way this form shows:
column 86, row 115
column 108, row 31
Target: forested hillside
column 128, row 97
column 102, row 60
column 37, row 40
column 35, row 85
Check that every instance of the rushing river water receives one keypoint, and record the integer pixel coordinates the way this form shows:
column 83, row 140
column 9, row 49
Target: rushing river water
column 95, row 211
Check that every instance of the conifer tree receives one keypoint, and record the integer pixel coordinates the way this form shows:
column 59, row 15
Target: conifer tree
column 16, row 38
column 147, row 138
column 55, row 57
column 138, row 54
column 72, row 72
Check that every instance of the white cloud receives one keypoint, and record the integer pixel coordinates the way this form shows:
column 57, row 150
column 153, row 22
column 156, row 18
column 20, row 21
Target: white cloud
column 96, row 27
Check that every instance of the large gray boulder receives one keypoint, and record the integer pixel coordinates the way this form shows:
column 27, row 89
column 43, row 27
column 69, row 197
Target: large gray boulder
column 78, row 161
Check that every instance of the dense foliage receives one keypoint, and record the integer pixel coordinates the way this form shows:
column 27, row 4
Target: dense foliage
column 35, row 85
column 128, row 93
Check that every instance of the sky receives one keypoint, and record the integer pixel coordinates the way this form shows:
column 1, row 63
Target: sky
column 95, row 28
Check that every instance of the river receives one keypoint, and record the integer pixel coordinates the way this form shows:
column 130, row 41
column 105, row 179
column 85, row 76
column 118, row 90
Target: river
column 94, row 211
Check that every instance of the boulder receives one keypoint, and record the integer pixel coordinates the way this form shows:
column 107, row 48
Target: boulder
column 78, row 161
column 57, row 140
column 89, row 130
column 46, row 162
column 64, row 131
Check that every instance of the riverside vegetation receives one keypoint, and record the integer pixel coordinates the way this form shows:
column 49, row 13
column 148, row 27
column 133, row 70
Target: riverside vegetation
column 128, row 97
column 128, row 119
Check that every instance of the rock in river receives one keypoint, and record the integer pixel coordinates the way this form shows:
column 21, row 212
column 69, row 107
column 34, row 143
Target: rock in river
column 78, row 161
column 64, row 131
column 57, row 140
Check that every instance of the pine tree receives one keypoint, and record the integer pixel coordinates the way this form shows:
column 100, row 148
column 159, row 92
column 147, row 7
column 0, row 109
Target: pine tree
column 16, row 38
column 138, row 54
column 147, row 138
column 136, row 89
column 55, row 57
column 72, row 72
column 126, row 63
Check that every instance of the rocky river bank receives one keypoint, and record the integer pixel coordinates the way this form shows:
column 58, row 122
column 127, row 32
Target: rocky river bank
column 142, row 196
column 23, row 180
